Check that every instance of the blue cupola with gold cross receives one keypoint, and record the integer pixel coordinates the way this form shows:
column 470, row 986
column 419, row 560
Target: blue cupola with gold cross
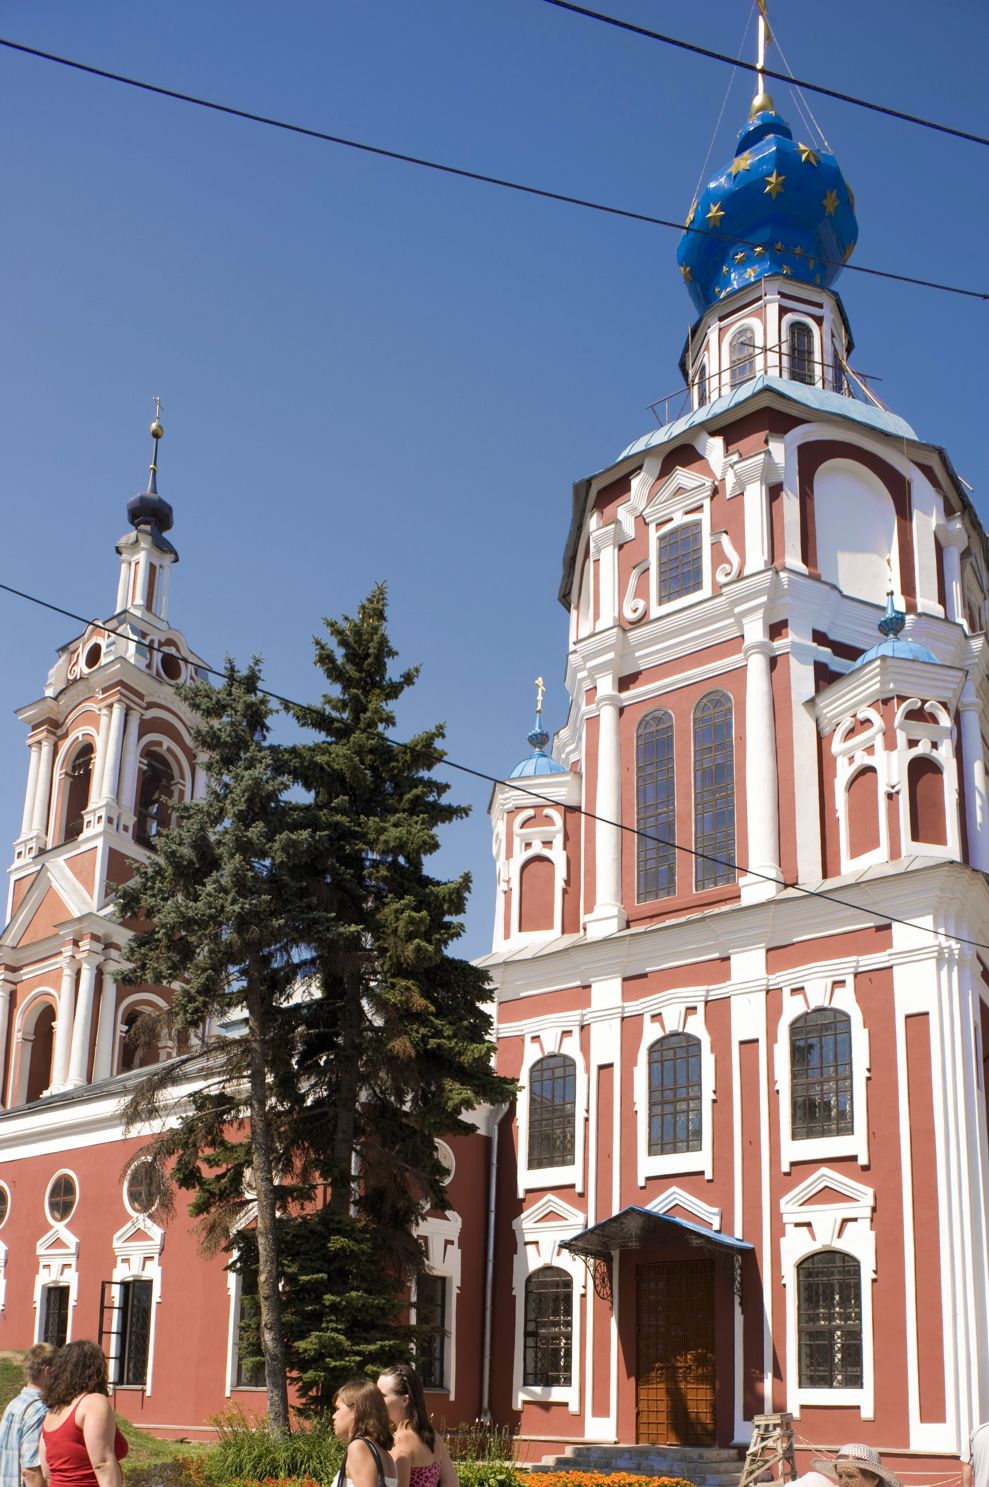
column 779, row 207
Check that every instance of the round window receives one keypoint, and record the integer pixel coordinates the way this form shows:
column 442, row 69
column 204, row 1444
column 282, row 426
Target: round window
column 4, row 1204
column 144, row 1187
column 61, row 1197
column 93, row 656
column 171, row 666
column 446, row 1160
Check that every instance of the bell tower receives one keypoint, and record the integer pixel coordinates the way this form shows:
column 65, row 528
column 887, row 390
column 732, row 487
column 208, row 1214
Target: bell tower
column 110, row 755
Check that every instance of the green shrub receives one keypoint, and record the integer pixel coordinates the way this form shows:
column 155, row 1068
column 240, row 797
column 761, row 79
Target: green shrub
column 251, row 1450
column 487, row 1474
column 475, row 1441
column 159, row 1474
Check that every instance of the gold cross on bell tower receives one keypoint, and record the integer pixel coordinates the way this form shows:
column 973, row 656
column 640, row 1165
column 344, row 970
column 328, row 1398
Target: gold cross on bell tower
column 540, row 689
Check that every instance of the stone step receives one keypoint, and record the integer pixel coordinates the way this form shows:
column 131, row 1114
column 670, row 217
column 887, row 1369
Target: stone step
column 705, row 1466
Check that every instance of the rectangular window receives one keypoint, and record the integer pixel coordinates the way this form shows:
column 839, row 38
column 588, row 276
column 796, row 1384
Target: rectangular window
column 829, row 1312
column 714, row 791
column 135, row 1333
column 56, row 1325
column 655, row 804
column 681, row 567
column 431, row 1344
column 248, row 1369
column 548, row 1329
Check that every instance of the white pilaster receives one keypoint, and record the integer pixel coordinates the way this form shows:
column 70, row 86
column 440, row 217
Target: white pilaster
column 83, row 1022
column 106, row 1025
column 608, row 916
column 953, row 539
column 6, row 987
column 27, row 815
column 140, row 600
column 111, row 764
column 761, row 784
column 99, row 762
column 164, row 579
column 63, row 1021
column 604, row 546
column 752, row 477
column 42, row 794
column 199, row 780
column 974, row 786
column 128, row 763
column 123, row 584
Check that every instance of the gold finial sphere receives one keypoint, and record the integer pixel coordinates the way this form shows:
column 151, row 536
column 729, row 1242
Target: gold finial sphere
column 157, row 432
column 762, row 103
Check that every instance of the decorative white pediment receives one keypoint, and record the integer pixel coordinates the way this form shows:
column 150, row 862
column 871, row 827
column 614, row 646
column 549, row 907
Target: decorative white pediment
column 854, row 1199
column 58, row 1244
column 56, row 878
column 139, row 1236
column 551, row 1212
column 677, row 1198
column 680, row 490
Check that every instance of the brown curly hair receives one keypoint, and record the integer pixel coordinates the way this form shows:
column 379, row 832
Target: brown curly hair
column 370, row 1416
column 78, row 1368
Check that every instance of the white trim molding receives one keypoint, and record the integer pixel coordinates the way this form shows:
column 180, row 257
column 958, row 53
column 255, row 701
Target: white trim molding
column 856, row 752
column 683, row 1017
column 137, row 1251
column 810, row 1227
column 927, row 740
column 838, row 994
column 562, row 1039
column 58, row 1256
column 439, row 1235
column 539, row 1234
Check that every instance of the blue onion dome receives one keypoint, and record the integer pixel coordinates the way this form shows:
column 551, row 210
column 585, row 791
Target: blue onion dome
column 890, row 627
column 538, row 762
column 780, row 207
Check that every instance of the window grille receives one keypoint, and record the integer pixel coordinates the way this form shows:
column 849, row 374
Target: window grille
column 431, row 1343
column 56, row 1325
column 714, row 791
column 135, row 1333
column 249, row 1367
column 655, row 795
column 702, row 385
column 61, row 1198
column 741, row 356
column 681, row 565
column 548, row 1328
column 829, row 1321
column 675, row 1115
column 821, row 1075
column 552, row 1111
column 801, row 339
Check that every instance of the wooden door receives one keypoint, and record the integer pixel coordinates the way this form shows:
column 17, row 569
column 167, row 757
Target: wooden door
column 675, row 1348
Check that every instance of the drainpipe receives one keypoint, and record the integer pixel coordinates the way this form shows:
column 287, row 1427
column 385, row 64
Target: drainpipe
column 497, row 1115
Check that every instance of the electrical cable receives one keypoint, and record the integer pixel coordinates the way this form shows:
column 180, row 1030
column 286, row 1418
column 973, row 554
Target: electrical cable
column 479, row 774
column 797, row 82
column 461, row 172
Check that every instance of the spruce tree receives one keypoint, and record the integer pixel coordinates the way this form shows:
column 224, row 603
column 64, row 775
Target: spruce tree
column 220, row 920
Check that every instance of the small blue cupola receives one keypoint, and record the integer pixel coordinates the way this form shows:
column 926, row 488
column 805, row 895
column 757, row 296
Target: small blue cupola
column 538, row 762
column 891, row 626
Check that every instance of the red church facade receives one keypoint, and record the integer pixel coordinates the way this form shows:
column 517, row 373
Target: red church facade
column 738, row 956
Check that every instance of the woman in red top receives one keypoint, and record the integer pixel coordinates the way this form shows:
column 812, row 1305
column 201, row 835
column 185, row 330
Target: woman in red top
column 80, row 1443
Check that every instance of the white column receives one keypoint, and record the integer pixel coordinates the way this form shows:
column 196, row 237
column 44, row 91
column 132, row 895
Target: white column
column 141, row 588
column 128, row 763
column 83, row 1023
column 165, row 580
column 751, row 477
column 608, row 916
column 953, row 538
column 99, row 762
column 123, row 583
column 6, row 987
column 63, row 1022
column 762, row 808
column 111, row 767
column 199, row 780
column 42, row 795
column 32, row 788
column 604, row 545
column 974, row 784
column 107, row 1024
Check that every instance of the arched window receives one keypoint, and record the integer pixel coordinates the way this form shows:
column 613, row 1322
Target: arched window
column 55, row 1321
column 829, row 1321
column 134, row 1055
column 548, row 1328
column 41, row 1048
column 741, row 356
column 79, row 780
column 714, row 791
column 680, row 561
column 154, row 810
column 837, row 370
column 702, row 385
column 800, row 340
column 821, row 1074
column 925, row 792
column 675, row 1118
column 552, row 1111
column 655, row 805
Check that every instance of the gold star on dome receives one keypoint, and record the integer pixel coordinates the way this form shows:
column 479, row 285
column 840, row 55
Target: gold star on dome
column 798, row 252
column 687, row 275
column 758, row 252
column 691, row 214
column 779, row 247
column 724, row 272
column 750, row 273
column 786, row 269
column 740, row 257
column 831, row 203
column 848, row 253
column 811, row 262
column 807, row 155
column 851, row 196
column 741, row 162
column 714, row 214
column 774, row 184
column 817, row 278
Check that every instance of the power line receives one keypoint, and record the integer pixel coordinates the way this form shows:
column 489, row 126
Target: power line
column 460, row 172
column 783, row 77
column 479, row 774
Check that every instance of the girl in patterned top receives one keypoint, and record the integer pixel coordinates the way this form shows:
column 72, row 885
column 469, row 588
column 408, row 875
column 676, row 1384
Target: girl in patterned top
column 420, row 1455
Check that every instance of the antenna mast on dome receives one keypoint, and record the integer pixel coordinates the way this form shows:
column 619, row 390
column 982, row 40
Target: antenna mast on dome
column 762, row 102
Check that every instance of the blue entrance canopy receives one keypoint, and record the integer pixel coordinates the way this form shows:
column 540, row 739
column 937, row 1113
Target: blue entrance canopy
column 641, row 1228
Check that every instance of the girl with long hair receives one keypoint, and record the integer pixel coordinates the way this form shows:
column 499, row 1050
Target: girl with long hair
column 360, row 1419
column 420, row 1455
column 80, row 1443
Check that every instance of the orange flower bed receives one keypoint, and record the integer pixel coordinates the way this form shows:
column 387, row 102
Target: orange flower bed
column 600, row 1479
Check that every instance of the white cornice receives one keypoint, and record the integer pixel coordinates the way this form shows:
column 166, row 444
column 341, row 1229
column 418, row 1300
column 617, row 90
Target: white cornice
column 886, row 676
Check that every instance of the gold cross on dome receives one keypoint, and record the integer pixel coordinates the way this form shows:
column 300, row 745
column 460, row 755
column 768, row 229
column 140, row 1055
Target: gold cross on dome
column 540, row 689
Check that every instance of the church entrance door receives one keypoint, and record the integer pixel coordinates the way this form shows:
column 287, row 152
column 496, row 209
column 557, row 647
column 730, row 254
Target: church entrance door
column 675, row 1353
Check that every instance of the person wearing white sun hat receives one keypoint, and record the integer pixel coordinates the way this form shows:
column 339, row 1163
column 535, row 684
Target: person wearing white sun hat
column 858, row 1466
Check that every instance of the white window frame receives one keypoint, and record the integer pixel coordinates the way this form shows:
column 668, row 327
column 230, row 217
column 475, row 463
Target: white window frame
column 931, row 741
column 817, row 355
column 844, row 1225
column 682, row 1017
column 539, row 1234
column 749, row 322
column 439, row 1236
column 137, row 1251
column 58, row 1256
column 854, row 753
column 247, row 1217
column 563, row 1039
column 823, row 992
column 532, row 839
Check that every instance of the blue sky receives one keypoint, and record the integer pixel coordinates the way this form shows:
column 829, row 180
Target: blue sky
column 368, row 371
